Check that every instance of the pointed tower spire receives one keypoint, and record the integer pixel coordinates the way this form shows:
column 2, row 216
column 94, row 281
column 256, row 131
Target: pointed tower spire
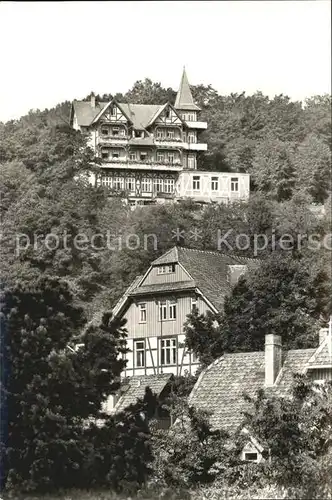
column 184, row 99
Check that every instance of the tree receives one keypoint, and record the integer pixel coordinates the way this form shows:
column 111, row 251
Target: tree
column 296, row 433
column 50, row 389
column 148, row 92
column 313, row 167
column 272, row 169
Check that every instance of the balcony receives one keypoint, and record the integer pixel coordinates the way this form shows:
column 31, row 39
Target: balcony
column 112, row 139
column 142, row 165
column 195, row 146
column 197, row 125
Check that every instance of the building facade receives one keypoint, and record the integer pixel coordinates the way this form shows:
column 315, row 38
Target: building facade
column 149, row 152
column 156, row 306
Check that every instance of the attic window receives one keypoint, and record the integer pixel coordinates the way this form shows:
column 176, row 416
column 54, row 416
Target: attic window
column 168, row 113
column 170, row 268
column 113, row 111
column 251, row 457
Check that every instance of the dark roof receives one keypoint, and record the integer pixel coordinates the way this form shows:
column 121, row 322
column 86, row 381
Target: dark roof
column 125, row 296
column 134, row 389
column 207, row 272
column 184, row 99
column 220, row 387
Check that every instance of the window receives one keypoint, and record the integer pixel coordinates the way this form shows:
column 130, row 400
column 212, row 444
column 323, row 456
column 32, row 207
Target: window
column 107, row 181
column 115, row 130
column 158, row 185
column 142, row 313
column 115, row 155
column 168, row 351
column 194, row 358
column 234, row 184
column 160, row 156
column 170, row 134
column 118, row 183
column 194, row 303
column 113, row 111
column 139, row 353
column 171, row 157
column 168, row 185
column 214, row 183
column 105, row 131
column 172, row 309
column 191, row 117
column 130, row 184
column 168, row 113
column 122, row 131
column 132, row 156
column 169, row 268
column 184, row 137
column 251, row 457
column 160, row 134
column 191, row 137
column 162, row 310
column 191, row 161
column 143, row 156
column 146, row 185
column 196, row 182
column 104, row 154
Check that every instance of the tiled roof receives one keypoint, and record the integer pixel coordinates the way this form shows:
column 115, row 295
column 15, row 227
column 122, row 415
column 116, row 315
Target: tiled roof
column 140, row 114
column 220, row 387
column 135, row 388
column 323, row 356
column 184, row 99
column 163, row 287
column 208, row 272
column 85, row 113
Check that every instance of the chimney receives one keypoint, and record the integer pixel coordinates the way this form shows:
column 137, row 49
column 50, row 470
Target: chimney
column 273, row 358
column 323, row 333
column 93, row 100
column 235, row 272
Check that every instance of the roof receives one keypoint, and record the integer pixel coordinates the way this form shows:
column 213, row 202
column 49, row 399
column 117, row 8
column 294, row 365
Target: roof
column 220, row 387
column 124, row 297
column 184, row 99
column 140, row 114
column 207, row 272
column 135, row 387
column 85, row 113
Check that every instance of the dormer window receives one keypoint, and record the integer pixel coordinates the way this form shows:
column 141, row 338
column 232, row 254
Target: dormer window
column 251, row 457
column 166, row 269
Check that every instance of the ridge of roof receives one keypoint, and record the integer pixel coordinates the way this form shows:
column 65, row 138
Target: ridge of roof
column 184, row 99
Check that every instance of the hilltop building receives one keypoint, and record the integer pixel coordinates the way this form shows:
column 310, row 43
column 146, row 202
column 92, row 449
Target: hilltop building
column 149, row 152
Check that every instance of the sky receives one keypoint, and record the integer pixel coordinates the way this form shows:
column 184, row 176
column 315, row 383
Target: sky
column 57, row 51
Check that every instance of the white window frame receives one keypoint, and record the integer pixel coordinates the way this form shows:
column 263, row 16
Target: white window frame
column 143, row 156
column 172, row 309
column 168, row 186
column 107, row 181
column 234, row 184
column 139, row 353
column 158, row 185
column 118, row 183
column 168, row 351
column 245, row 453
column 191, row 162
column 105, row 152
column 170, row 134
column 113, row 111
column 146, row 185
column 214, row 184
column 116, row 152
column 132, row 156
column 191, row 137
column 160, row 134
column 171, row 157
column 130, row 184
column 116, row 129
column 166, row 269
column 162, row 310
column 194, row 303
column 160, row 157
column 142, row 312
column 196, row 182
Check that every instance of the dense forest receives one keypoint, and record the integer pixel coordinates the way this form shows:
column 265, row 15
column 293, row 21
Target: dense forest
column 50, row 292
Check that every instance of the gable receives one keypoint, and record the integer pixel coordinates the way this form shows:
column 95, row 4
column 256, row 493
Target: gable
column 112, row 112
column 166, row 273
column 168, row 116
